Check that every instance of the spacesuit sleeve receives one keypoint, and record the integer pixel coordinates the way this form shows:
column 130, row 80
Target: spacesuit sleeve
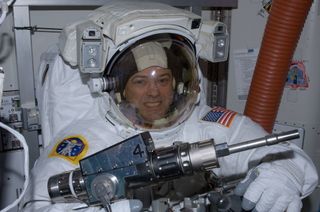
column 37, row 197
column 64, row 152
column 55, row 78
column 286, row 153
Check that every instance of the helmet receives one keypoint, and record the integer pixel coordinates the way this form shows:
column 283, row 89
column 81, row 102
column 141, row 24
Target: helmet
column 157, row 82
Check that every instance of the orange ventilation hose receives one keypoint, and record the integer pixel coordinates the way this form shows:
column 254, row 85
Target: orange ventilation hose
column 281, row 36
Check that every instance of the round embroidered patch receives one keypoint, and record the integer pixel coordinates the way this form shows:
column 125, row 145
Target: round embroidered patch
column 72, row 148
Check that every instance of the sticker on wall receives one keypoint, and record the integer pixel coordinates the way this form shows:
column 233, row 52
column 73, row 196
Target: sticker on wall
column 72, row 149
column 297, row 77
column 244, row 61
column 266, row 8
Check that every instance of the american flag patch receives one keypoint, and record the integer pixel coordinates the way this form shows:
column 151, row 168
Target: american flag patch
column 220, row 115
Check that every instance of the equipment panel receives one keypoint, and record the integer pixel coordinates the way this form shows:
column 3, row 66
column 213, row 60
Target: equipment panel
column 10, row 114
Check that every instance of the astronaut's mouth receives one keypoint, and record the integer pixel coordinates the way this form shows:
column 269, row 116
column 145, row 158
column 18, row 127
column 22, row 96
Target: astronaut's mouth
column 152, row 104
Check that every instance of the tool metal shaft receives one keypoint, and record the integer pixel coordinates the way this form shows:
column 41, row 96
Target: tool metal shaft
column 265, row 141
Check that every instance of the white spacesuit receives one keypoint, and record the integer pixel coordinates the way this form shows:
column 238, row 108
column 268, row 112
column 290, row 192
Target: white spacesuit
column 156, row 87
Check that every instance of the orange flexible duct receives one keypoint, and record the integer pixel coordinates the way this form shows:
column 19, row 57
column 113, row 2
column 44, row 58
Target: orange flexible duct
column 281, row 36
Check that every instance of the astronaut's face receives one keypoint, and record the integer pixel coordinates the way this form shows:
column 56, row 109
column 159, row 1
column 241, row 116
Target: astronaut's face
column 157, row 83
column 150, row 91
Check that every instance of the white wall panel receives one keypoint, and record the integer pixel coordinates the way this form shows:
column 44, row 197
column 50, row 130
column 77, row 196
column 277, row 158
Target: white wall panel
column 247, row 28
column 41, row 41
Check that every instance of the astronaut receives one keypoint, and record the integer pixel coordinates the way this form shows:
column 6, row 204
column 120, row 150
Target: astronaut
column 159, row 88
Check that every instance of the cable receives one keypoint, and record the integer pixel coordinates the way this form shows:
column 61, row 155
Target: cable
column 26, row 164
column 10, row 2
column 4, row 6
column 1, row 83
column 25, row 147
column 4, row 11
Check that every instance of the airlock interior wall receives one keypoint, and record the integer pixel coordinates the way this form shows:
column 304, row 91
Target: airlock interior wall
column 300, row 99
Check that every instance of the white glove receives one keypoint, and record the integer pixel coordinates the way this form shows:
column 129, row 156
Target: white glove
column 132, row 205
column 272, row 187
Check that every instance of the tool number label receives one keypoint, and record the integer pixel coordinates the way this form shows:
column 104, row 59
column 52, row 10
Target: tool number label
column 138, row 151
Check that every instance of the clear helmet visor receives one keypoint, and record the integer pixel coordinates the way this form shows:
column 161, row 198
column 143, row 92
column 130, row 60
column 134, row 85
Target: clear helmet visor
column 157, row 80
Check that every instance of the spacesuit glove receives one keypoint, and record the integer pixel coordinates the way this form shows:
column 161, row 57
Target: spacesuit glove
column 272, row 187
column 132, row 205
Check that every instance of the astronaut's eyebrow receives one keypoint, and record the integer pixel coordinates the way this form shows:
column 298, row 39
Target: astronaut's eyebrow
column 139, row 77
column 169, row 75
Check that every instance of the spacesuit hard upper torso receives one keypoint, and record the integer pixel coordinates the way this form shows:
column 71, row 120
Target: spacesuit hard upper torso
column 94, row 133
